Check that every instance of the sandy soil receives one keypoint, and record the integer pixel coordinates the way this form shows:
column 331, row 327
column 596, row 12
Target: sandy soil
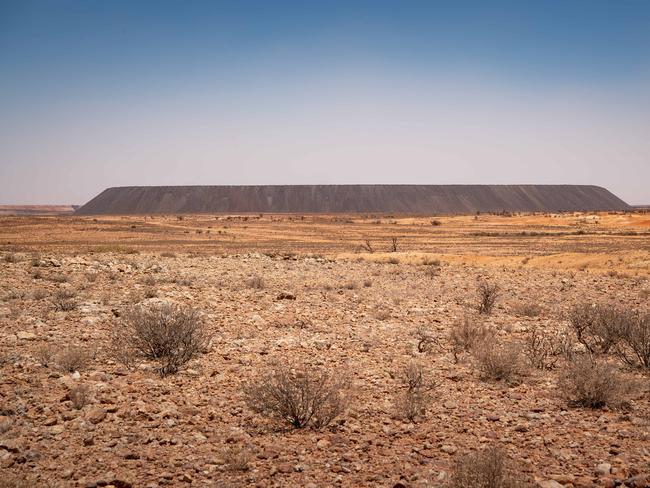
column 354, row 313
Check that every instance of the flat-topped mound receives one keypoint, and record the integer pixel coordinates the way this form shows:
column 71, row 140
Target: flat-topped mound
column 402, row 199
column 37, row 209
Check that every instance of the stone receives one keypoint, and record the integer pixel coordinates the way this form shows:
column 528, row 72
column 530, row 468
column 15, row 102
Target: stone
column 285, row 295
column 550, row 484
column 603, row 469
column 96, row 415
column 26, row 336
column 449, row 449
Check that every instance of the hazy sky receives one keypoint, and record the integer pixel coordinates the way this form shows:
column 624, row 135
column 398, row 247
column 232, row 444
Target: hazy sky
column 112, row 93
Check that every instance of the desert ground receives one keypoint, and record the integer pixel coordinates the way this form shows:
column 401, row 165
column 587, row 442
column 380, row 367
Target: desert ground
column 367, row 302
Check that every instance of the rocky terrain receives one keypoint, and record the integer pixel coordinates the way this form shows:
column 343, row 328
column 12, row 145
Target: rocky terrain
column 405, row 199
column 73, row 414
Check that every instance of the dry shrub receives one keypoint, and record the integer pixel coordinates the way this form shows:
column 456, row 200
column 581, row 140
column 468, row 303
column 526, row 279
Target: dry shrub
column 163, row 332
column 256, row 282
column 598, row 327
column 529, row 309
column 64, row 300
column 488, row 295
column 634, row 345
column 72, row 358
column 367, row 246
column 79, row 396
column 381, row 313
column 416, row 397
column 14, row 294
column 45, row 354
column 9, row 481
column 393, row 260
column 168, row 254
column 150, row 292
column 544, row 349
column 499, row 362
column 39, row 294
column 367, row 283
column 301, row 397
column 465, row 335
column 350, row 285
column 149, row 281
column 432, row 272
column 393, row 244
column 236, row 458
column 58, row 278
column 11, row 258
column 184, row 280
column 91, row 276
column 429, row 261
column 489, row 468
column 594, row 383
column 426, row 339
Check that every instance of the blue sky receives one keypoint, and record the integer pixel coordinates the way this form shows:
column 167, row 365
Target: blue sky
column 96, row 94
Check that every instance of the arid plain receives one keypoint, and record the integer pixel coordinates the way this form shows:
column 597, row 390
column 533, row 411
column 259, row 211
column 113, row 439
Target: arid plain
column 364, row 303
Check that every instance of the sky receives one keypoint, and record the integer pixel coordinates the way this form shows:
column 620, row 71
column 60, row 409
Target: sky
column 95, row 94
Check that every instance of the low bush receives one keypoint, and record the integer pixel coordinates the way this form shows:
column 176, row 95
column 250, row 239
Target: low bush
column 425, row 338
column 634, row 341
column 11, row 258
column 593, row 383
column 598, row 327
column 301, row 397
column 489, row 468
column 163, row 332
column 416, row 396
column 488, row 295
column 466, row 334
column 64, row 300
column 58, row 278
column 45, row 354
column 236, row 458
column 39, row 294
column 256, row 282
column 543, row 349
column 499, row 362
column 529, row 309
column 72, row 358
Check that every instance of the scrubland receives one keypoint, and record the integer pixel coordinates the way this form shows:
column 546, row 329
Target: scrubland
column 316, row 350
